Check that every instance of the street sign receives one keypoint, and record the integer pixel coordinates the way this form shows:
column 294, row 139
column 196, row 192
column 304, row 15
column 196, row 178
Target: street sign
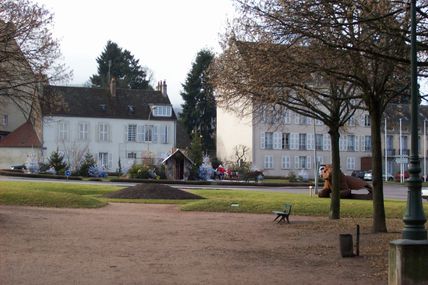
column 67, row 173
column 403, row 160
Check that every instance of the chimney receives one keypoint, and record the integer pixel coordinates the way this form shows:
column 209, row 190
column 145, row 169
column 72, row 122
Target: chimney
column 113, row 87
column 164, row 89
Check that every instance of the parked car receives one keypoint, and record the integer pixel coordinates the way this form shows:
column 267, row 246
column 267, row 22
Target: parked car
column 18, row 167
column 358, row 173
column 397, row 175
column 389, row 177
column 425, row 193
column 368, row 176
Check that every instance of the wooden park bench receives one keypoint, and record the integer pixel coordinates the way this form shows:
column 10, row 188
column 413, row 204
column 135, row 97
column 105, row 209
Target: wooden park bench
column 283, row 214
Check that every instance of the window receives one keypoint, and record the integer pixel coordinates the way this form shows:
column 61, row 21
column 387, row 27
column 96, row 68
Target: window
column 389, row 142
column 131, row 155
column 318, row 141
column 103, row 159
column 268, row 140
column 350, row 163
column 302, row 141
column 285, row 141
column 368, row 143
column 63, row 131
column 103, row 132
column 285, row 162
column 83, row 131
column 5, row 120
column 302, row 120
column 132, row 133
column 161, row 111
column 326, row 142
column 352, row 122
column 366, row 120
column 294, row 141
column 302, row 162
column 350, row 142
column 287, row 117
column 150, row 133
column 164, row 134
column 268, row 162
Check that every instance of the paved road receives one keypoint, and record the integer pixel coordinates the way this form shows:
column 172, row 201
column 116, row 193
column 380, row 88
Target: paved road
column 391, row 190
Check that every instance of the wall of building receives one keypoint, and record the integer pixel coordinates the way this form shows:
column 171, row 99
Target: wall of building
column 232, row 131
column 117, row 145
column 16, row 156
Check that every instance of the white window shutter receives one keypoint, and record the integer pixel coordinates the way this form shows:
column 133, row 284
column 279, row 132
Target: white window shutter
column 342, row 144
column 296, row 119
column 308, row 162
column 125, row 136
column 97, row 133
column 296, row 162
column 110, row 161
column 262, row 140
column 276, row 140
column 140, row 133
column 326, row 142
column 155, row 134
column 357, row 143
column 294, row 141
column 362, row 143
column 310, row 141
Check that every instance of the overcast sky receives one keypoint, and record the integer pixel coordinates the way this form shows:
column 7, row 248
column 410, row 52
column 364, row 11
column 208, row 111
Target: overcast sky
column 165, row 35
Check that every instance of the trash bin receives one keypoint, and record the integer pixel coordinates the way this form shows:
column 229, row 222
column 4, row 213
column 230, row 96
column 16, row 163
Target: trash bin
column 346, row 245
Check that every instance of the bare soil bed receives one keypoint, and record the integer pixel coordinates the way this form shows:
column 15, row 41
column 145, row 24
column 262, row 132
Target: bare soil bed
column 152, row 191
column 159, row 244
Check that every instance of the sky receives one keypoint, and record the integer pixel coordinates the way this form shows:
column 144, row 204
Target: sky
column 165, row 35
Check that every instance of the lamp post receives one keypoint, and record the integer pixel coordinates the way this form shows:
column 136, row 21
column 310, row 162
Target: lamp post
column 315, row 160
column 401, row 153
column 151, row 137
column 386, row 153
column 414, row 217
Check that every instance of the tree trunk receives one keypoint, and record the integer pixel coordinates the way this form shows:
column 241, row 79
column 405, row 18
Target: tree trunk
column 335, row 176
column 379, row 222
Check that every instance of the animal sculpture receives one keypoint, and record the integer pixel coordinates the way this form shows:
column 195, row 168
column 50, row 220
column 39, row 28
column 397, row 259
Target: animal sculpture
column 347, row 183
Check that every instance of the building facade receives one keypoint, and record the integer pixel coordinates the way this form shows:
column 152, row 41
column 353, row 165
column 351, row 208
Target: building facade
column 117, row 126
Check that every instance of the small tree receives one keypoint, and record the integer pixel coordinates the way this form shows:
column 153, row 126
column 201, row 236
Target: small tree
column 195, row 151
column 87, row 163
column 56, row 160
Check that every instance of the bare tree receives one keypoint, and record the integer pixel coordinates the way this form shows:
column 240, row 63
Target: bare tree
column 368, row 46
column 256, row 75
column 29, row 54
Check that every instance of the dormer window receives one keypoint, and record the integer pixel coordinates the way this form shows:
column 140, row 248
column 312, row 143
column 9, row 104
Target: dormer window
column 131, row 109
column 103, row 107
column 162, row 111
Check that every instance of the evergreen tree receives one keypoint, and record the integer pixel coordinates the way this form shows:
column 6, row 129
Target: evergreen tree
column 195, row 151
column 87, row 163
column 121, row 64
column 56, row 160
column 199, row 108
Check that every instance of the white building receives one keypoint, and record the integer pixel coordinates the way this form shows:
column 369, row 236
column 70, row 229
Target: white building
column 113, row 125
column 291, row 143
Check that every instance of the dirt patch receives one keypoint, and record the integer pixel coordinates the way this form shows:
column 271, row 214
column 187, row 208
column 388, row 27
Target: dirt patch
column 152, row 191
column 159, row 244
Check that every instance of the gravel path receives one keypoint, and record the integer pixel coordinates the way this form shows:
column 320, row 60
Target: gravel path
column 159, row 244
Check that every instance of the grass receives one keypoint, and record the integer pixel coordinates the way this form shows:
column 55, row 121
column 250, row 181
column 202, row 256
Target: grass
column 61, row 195
column 265, row 202
column 76, row 195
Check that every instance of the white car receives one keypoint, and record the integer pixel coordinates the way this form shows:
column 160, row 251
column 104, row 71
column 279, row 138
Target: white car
column 425, row 193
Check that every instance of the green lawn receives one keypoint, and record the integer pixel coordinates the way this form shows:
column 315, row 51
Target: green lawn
column 75, row 195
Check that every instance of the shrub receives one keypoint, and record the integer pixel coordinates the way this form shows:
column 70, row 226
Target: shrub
column 56, row 160
column 87, row 163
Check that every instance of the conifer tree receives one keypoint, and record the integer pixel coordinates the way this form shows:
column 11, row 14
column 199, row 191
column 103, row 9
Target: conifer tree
column 199, row 109
column 121, row 64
